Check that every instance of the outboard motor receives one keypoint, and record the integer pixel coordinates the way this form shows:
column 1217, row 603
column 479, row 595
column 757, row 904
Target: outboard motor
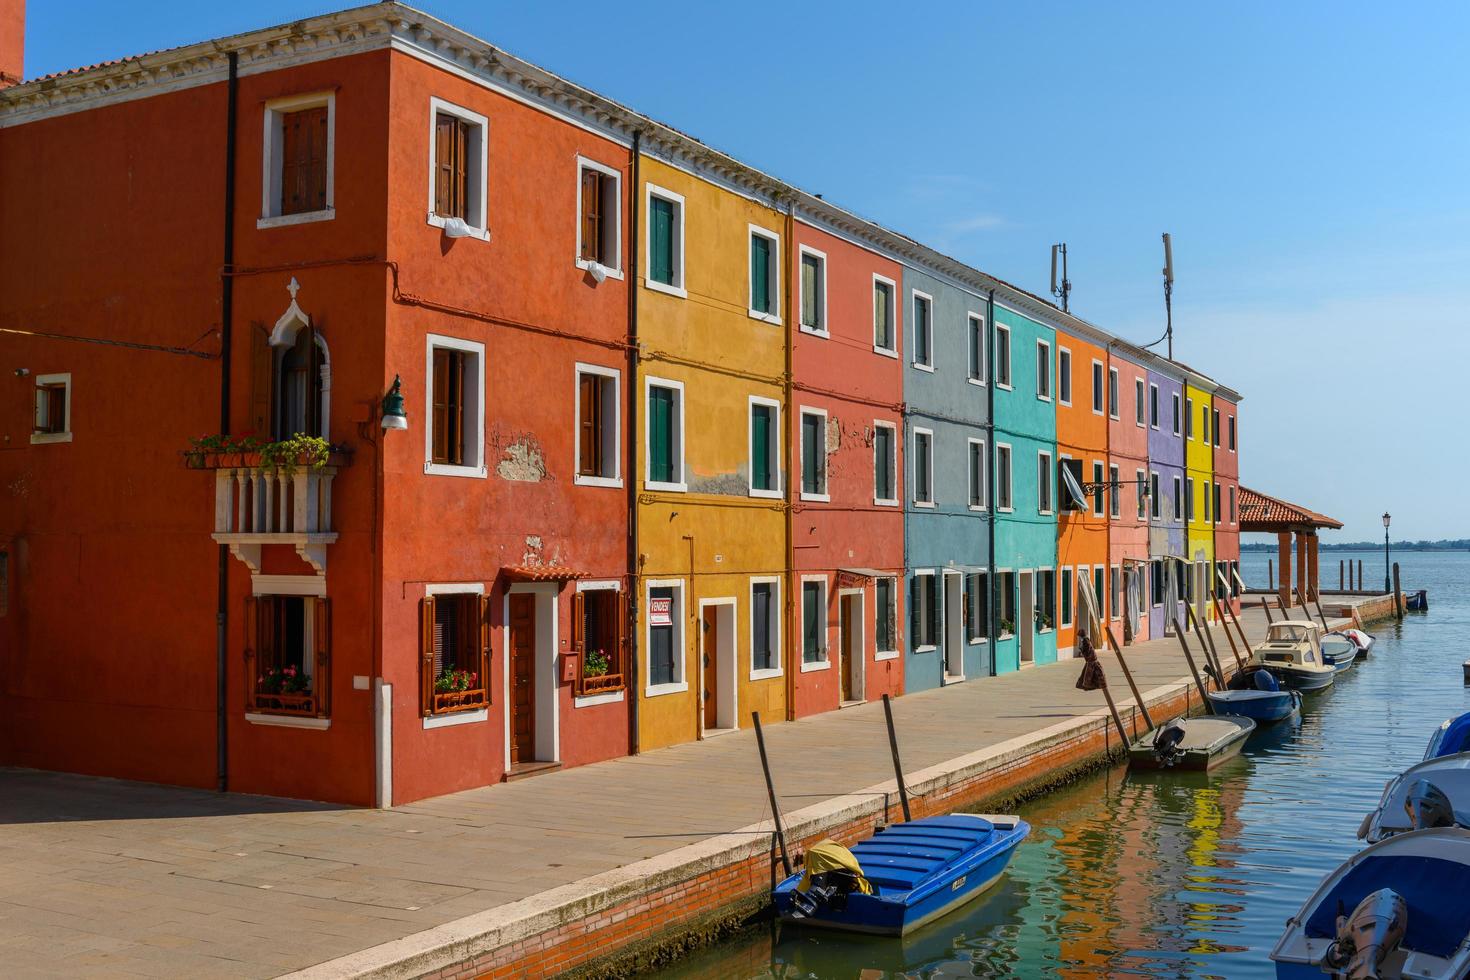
column 1365, row 938
column 1428, row 806
column 1166, row 743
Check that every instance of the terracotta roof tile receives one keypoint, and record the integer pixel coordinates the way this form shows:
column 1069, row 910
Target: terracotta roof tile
column 1259, row 512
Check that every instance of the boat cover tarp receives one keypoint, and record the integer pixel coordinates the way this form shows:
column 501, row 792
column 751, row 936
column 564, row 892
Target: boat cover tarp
column 828, row 855
column 902, row 856
column 1434, row 890
column 1456, row 737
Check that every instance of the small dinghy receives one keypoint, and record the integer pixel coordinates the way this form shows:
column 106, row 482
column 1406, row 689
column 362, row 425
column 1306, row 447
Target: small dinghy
column 1433, row 793
column 901, row 877
column 1255, row 693
column 1292, row 652
column 1395, row 910
column 1450, row 738
column 1339, row 652
column 1191, row 743
column 1417, row 601
column 1363, row 640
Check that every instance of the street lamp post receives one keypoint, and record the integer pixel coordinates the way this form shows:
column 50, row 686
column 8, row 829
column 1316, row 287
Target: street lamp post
column 1387, row 586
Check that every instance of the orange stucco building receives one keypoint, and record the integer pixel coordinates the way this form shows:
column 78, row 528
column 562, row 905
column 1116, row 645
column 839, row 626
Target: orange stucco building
column 1082, row 447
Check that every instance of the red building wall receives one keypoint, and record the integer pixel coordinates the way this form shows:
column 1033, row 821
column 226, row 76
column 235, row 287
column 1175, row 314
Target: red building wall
column 1227, row 474
column 1127, row 450
column 842, row 375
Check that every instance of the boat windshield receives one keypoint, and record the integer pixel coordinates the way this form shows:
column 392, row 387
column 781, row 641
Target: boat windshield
column 1287, row 633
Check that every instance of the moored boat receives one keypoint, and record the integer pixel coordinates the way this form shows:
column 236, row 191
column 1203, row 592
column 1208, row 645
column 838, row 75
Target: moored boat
column 903, row 876
column 1395, row 910
column 1339, row 652
column 1292, row 652
column 1255, row 694
column 1449, row 738
column 1417, row 601
column 1446, row 778
column 1364, row 640
column 1198, row 743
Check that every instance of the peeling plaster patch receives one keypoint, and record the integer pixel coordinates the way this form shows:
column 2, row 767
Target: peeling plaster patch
column 735, row 484
column 522, row 461
column 834, row 435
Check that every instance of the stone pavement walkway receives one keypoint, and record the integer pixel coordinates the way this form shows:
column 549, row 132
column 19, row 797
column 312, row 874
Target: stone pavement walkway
column 104, row 877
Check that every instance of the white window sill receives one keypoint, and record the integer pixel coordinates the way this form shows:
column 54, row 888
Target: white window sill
column 884, row 502
column 44, row 438
column 598, row 481
column 766, row 673
column 437, row 221
column 926, row 504
column 1153, row 427
column 659, row 690
column 1043, row 398
column 771, row 318
column 978, row 508
column 979, row 641
column 301, row 218
column 816, row 331
column 886, row 655
column 1064, row 402
column 1004, row 386
column 1142, row 426
column 820, row 498
column 447, row 469
column 457, row 718
column 922, row 367
column 952, row 678
column 977, row 382
column 885, row 351
column 663, row 287
column 1115, row 418
column 1006, row 510
column 1098, row 412
column 1044, row 631
column 607, row 271
column 287, row 721
column 807, row 668
column 591, row 700
column 925, row 648
column 766, row 494
column 667, row 487
column 1044, row 513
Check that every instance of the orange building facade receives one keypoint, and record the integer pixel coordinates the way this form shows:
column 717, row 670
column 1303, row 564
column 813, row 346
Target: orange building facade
column 1082, row 448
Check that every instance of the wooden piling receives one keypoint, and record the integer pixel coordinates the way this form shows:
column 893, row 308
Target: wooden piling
column 1212, row 662
column 1341, row 580
column 1271, row 574
column 903, row 793
column 1266, row 608
column 760, row 743
column 1360, row 575
column 1180, row 632
column 1398, row 592
column 1306, row 611
column 1128, row 674
column 1234, row 650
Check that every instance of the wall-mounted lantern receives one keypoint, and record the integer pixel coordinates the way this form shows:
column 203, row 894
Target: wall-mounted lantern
column 393, row 414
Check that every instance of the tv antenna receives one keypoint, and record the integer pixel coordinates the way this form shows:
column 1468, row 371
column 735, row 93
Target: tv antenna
column 1062, row 289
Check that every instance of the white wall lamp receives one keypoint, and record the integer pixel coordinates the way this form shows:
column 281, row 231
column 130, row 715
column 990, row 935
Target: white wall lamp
column 394, row 416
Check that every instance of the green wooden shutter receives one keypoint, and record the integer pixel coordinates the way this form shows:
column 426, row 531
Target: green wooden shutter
column 936, row 611
column 661, row 241
column 809, row 292
column 914, row 636
column 660, row 434
column 811, row 448
column 882, row 452
column 760, row 447
column 760, row 274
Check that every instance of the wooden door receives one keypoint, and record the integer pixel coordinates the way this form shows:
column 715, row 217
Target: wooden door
column 709, row 624
column 845, row 625
column 522, row 678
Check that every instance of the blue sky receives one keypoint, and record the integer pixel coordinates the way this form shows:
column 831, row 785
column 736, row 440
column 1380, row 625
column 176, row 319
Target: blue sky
column 1309, row 160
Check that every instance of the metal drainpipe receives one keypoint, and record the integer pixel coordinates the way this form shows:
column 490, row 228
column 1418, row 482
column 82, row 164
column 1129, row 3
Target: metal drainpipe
column 227, row 304
column 630, row 472
column 992, row 577
column 792, row 634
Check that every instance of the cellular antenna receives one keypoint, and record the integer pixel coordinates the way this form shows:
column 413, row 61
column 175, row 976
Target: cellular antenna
column 1169, row 292
column 1063, row 289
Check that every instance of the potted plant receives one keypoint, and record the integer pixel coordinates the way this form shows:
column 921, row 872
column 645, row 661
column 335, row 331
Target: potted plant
column 594, row 664
column 1007, row 628
column 456, row 682
column 284, row 680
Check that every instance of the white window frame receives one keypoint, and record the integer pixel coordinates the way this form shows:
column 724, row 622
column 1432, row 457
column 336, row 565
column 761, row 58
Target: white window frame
column 982, row 573
column 1099, row 388
column 927, row 464
column 975, row 327
column 1139, row 483
column 478, row 179
column 1230, row 433
column 1009, row 484
column 681, row 657
column 616, row 480
column 272, row 146
column 928, row 616
column 1115, row 576
column 970, row 450
column 1174, row 395
column 775, row 462
column 897, row 618
column 1115, row 512
column 773, row 275
column 1178, row 498
column 894, row 329
column 1153, row 406
column 1114, row 397
column 826, row 662
column 1064, row 352
column 893, row 470
column 1234, row 514
column 614, row 271
column 1140, row 410
column 1044, row 459
column 1099, row 473
column 474, row 435
column 46, row 381
column 820, row 330
column 1069, row 573
column 1043, row 374
column 611, row 697
column 915, row 296
column 1001, row 328
column 677, row 288
column 1036, row 579
column 679, row 486
column 802, row 412
column 765, row 673
column 1189, row 419
column 460, row 717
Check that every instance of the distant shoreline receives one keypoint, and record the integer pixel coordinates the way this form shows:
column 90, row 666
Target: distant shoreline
column 1362, row 546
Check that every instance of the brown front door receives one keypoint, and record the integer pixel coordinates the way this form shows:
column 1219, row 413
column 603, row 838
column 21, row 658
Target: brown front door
column 845, row 626
column 710, row 629
column 522, row 677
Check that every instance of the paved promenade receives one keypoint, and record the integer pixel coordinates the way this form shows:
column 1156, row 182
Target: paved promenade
column 102, row 877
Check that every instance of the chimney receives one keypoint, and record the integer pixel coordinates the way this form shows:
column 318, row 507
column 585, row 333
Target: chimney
column 12, row 42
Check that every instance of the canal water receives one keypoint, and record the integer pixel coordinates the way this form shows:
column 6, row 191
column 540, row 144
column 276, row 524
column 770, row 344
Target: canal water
column 1180, row 874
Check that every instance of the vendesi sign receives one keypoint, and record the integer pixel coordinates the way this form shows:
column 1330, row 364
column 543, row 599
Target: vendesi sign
column 660, row 611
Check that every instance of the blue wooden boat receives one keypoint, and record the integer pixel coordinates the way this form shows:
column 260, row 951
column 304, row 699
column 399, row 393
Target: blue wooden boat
column 916, row 871
column 1395, row 910
column 1450, row 738
column 1417, row 601
column 1257, row 695
column 1339, row 652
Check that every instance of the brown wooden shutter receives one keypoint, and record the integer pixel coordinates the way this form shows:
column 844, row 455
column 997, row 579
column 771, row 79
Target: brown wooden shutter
column 426, row 659
column 290, row 162
column 313, row 393
column 262, row 381
column 589, row 462
column 623, row 613
column 443, row 163
column 252, row 663
column 322, row 685
column 456, row 407
column 461, row 169
column 440, row 451
column 591, row 216
column 315, row 123
column 485, row 645
column 579, row 621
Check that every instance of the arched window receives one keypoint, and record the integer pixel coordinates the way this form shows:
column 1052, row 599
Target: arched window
column 299, row 387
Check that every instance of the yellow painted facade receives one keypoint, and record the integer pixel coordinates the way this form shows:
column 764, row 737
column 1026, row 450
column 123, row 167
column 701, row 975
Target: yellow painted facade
column 1199, row 463
column 707, row 542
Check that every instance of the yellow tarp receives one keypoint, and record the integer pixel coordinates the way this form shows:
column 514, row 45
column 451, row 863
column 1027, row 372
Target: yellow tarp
column 828, row 855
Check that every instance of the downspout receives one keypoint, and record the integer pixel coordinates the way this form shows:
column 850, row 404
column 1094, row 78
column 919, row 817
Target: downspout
column 630, row 470
column 793, row 637
column 227, row 304
column 992, row 577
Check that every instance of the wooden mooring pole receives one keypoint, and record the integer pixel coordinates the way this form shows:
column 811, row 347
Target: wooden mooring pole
column 1341, row 580
column 1234, row 650
column 1271, row 574
column 1180, row 632
column 1360, row 575
column 1266, row 608
column 1128, row 674
column 903, row 792
column 1245, row 644
column 1307, row 611
column 1212, row 666
column 1398, row 593
column 760, row 743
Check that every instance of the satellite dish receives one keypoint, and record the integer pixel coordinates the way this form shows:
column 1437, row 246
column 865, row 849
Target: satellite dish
column 1074, row 490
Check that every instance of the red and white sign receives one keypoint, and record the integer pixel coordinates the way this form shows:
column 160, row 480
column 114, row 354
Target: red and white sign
column 660, row 611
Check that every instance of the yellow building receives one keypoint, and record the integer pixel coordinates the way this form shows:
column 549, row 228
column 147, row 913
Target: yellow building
column 712, row 622
column 1199, row 475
